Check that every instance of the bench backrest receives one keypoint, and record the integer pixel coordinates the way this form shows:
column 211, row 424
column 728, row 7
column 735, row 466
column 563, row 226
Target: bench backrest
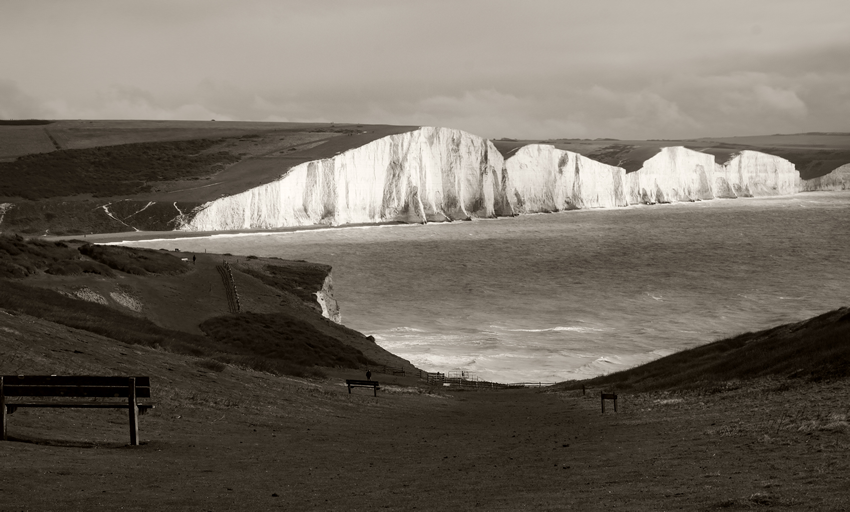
column 74, row 386
column 362, row 382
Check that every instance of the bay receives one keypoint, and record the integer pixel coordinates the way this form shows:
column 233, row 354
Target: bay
column 550, row 297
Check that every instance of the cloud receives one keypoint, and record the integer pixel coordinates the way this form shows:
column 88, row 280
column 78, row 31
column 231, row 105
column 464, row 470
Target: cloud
column 17, row 104
column 650, row 69
column 131, row 102
column 781, row 100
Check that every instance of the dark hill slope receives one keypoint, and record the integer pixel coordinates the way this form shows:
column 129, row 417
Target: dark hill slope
column 76, row 177
column 182, row 303
column 815, row 349
column 814, row 154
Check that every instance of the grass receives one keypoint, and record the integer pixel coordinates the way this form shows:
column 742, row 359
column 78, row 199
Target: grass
column 109, row 171
column 20, row 257
column 816, row 349
column 271, row 343
column 299, row 278
column 99, row 319
column 276, row 343
column 135, row 261
column 281, row 337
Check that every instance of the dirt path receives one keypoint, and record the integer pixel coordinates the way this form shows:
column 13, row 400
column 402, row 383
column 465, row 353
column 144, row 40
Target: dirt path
column 505, row 450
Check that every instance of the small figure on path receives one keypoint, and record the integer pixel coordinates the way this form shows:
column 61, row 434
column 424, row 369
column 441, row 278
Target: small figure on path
column 368, row 375
column 193, row 259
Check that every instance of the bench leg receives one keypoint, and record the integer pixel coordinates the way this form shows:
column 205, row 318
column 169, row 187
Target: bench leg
column 349, row 389
column 375, row 388
column 2, row 411
column 134, row 413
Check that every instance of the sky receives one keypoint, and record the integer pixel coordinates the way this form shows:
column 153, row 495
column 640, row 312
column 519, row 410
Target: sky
column 628, row 69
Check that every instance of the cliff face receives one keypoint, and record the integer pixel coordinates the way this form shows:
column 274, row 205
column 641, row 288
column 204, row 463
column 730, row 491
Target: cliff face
column 439, row 174
column 674, row 174
column 752, row 174
column 327, row 301
column 431, row 174
column 839, row 179
column 542, row 178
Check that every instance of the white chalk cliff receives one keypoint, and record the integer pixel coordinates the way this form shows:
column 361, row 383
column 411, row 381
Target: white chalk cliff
column 430, row 174
column 542, row 178
column 753, row 174
column 439, row 174
column 674, row 174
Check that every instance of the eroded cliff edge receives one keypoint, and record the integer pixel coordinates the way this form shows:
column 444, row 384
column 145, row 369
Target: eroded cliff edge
column 441, row 174
column 431, row 174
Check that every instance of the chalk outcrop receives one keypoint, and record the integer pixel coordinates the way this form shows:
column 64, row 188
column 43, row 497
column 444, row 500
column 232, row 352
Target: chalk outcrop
column 674, row 174
column 326, row 300
column 442, row 174
column 430, row 174
column 754, row 174
column 543, row 178
column 839, row 179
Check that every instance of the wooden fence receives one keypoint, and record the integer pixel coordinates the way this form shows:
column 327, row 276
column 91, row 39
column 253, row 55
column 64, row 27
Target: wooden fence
column 229, row 287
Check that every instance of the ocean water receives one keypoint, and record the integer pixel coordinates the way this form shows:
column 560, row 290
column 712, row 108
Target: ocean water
column 575, row 294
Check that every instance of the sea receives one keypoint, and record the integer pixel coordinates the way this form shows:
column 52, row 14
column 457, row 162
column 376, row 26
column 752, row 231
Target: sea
column 575, row 294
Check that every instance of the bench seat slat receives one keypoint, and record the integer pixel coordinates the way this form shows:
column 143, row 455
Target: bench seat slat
column 72, row 380
column 362, row 382
column 75, row 391
column 85, row 405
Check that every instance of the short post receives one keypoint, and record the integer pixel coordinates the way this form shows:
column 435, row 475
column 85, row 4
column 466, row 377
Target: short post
column 2, row 411
column 134, row 413
column 609, row 396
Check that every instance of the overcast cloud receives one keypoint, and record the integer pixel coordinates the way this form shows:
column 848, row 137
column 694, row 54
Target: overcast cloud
column 602, row 68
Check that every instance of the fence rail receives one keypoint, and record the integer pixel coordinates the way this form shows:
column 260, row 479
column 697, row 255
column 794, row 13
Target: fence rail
column 229, row 287
column 466, row 379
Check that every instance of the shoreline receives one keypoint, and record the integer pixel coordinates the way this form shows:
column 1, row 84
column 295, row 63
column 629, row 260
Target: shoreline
column 152, row 236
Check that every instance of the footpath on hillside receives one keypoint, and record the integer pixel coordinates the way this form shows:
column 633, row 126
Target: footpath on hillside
column 322, row 449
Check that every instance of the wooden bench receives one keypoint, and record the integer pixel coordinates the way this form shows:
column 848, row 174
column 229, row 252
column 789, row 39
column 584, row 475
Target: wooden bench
column 609, row 396
column 362, row 383
column 50, row 388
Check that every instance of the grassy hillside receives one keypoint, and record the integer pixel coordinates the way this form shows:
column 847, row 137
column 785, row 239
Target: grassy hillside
column 120, row 170
column 78, row 177
column 178, row 303
column 814, row 154
column 226, row 437
column 816, row 349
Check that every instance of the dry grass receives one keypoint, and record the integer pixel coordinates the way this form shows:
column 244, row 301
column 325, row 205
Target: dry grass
column 17, row 141
column 287, row 338
column 815, row 349
column 224, row 437
column 109, row 171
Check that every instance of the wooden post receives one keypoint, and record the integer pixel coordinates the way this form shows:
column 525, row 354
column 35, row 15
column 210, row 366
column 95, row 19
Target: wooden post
column 2, row 411
column 609, row 396
column 134, row 413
